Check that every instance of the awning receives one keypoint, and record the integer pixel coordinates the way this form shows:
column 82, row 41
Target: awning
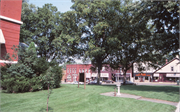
column 2, row 40
column 94, row 75
column 173, row 75
column 88, row 75
column 143, row 74
column 156, row 75
column 121, row 75
column 101, row 75
column 104, row 75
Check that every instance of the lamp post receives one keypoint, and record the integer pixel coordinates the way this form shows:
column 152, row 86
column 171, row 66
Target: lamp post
column 118, row 85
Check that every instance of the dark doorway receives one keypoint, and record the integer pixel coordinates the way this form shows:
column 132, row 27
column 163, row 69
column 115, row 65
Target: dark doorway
column 162, row 77
column 81, row 77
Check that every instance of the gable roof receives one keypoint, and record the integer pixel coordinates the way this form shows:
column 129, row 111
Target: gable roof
column 166, row 64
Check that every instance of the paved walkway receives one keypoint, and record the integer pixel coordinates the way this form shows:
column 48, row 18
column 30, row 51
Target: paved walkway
column 141, row 98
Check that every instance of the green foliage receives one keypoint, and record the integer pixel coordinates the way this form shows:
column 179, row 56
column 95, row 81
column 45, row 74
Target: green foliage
column 52, row 76
column 164, row 16
column 25, row 75
column 48, row 79
column 20, row 83
column 40, row 66
column 42, row 26
column 95, row 24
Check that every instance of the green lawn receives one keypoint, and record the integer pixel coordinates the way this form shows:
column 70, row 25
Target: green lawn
column 69, row 98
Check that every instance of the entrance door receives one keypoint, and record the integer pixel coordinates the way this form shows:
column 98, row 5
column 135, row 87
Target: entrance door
column 162, row 77
column 141, row 79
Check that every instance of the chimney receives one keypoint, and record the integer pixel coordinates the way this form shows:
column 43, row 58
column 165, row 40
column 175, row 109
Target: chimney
column 166, row 61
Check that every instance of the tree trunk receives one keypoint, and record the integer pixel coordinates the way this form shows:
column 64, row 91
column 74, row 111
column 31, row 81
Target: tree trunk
column 48, row 98
column 99, row 71
column 124, row 74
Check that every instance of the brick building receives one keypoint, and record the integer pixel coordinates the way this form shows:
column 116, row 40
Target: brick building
column 73, row 71
column 10, row 21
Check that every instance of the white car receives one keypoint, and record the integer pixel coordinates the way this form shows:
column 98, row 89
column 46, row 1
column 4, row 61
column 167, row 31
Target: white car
column 76, row 82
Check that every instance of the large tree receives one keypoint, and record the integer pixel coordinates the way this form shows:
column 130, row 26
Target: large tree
column 43, row 27
column 132, row 41
column 95, row 23
column 164, row 16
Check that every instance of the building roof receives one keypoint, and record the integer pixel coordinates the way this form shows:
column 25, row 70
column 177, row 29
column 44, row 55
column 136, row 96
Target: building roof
column 166, row 64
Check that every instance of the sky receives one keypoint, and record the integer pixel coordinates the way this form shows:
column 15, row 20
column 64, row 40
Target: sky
column 62, row 5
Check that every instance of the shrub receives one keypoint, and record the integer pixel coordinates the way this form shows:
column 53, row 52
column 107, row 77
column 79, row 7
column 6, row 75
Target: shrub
column 25, row 75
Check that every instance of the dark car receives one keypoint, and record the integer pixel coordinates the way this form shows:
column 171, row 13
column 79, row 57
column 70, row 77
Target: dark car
column 109, row 81
column 128, row 83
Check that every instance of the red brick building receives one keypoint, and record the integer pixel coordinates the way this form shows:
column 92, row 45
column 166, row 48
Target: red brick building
column 73, row 70
column 10, row 21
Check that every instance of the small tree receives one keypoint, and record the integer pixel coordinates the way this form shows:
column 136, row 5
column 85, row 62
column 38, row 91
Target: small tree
column 48, row 82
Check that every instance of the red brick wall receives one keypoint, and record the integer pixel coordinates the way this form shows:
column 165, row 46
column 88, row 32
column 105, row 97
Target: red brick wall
column 88, row 66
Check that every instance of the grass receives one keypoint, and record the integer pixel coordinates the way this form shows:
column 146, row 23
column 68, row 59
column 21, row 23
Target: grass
column 69, row 98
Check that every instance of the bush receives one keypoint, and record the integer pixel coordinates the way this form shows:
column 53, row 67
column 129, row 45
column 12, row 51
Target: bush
column 25, row 75
column 20, row 78
column 51, row 75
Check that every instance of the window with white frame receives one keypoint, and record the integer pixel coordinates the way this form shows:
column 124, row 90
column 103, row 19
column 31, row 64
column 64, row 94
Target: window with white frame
column 79, row 70
column 85, row 70
column 69, row 77
column 68, row 70
column 172, row 68
column 89, row 70
column 103, row 68
column 82, row 70
column 75, row 70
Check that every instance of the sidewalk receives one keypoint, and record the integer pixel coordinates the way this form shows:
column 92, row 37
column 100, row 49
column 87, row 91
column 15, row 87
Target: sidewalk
column 141, row 98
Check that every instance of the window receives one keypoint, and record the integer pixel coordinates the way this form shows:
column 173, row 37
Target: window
column 75, row 70
column 68, row 70
column 136, row 78
column 146, row 78
column 79, row 70
column 89, row 70
column 82, row 70
column 69, row 77
column 103, row 68
column 172, row 69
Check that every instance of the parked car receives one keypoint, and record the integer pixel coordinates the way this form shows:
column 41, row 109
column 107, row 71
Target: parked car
column 109, row 81
column 128, row 83
column 87, row 81
column 76, row 82
column 94, row 82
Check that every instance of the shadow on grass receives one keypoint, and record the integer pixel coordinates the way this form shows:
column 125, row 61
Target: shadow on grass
column 45, row 109
column 167, row 89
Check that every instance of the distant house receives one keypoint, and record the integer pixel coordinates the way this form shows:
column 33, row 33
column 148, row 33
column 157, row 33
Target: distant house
column 170, row 72
column 144, row 75
column 10, row 21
